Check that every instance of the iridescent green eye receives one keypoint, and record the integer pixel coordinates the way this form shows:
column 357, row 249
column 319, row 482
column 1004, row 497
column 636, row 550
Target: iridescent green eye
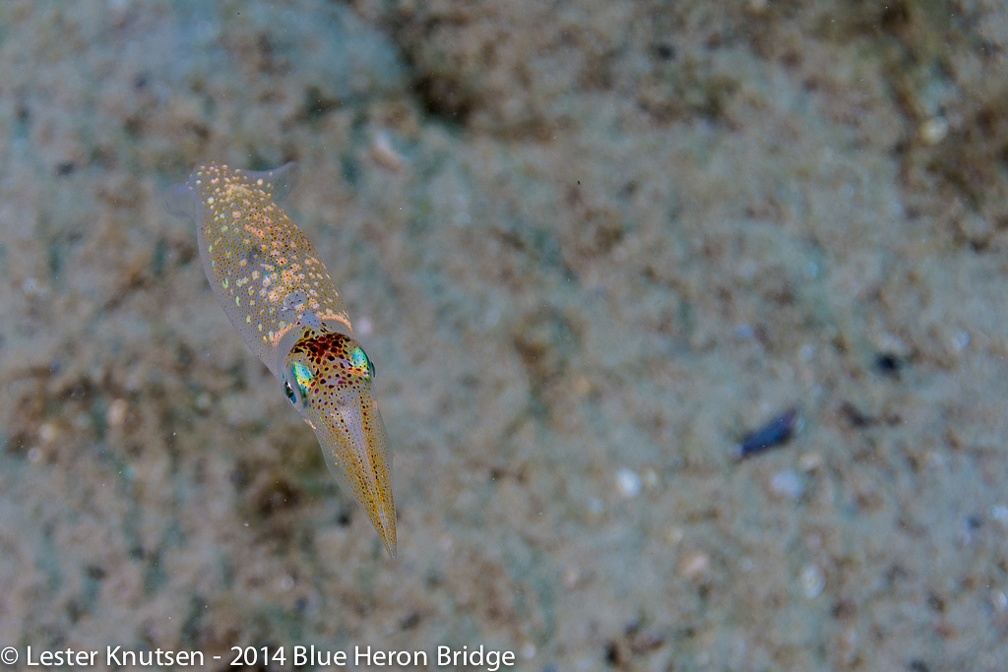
column 303, row 376
column 361, row 361
column 296, row 383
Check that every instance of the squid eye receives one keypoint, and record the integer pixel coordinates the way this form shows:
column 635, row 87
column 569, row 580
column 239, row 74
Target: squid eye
column 296, row 383
column 362, row 362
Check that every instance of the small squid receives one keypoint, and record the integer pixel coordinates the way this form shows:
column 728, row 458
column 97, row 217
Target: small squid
column 278, row 294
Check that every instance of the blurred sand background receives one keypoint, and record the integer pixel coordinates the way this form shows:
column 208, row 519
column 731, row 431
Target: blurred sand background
column 588, row 246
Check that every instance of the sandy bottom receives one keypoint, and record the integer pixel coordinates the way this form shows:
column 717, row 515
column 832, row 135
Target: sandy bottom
column 588, row 248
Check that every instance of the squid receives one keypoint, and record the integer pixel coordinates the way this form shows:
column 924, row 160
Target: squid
column 278, row 294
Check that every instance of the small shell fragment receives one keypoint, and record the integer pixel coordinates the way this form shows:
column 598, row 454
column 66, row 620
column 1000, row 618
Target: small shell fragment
column 774, row 433
column 628, row 482
column 812, row 581
column 385, row 155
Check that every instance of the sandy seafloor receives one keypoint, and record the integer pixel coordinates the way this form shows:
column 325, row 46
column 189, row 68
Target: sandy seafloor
column 588, row 246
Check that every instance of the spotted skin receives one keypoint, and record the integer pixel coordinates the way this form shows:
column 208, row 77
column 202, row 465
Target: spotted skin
column 278, row 294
